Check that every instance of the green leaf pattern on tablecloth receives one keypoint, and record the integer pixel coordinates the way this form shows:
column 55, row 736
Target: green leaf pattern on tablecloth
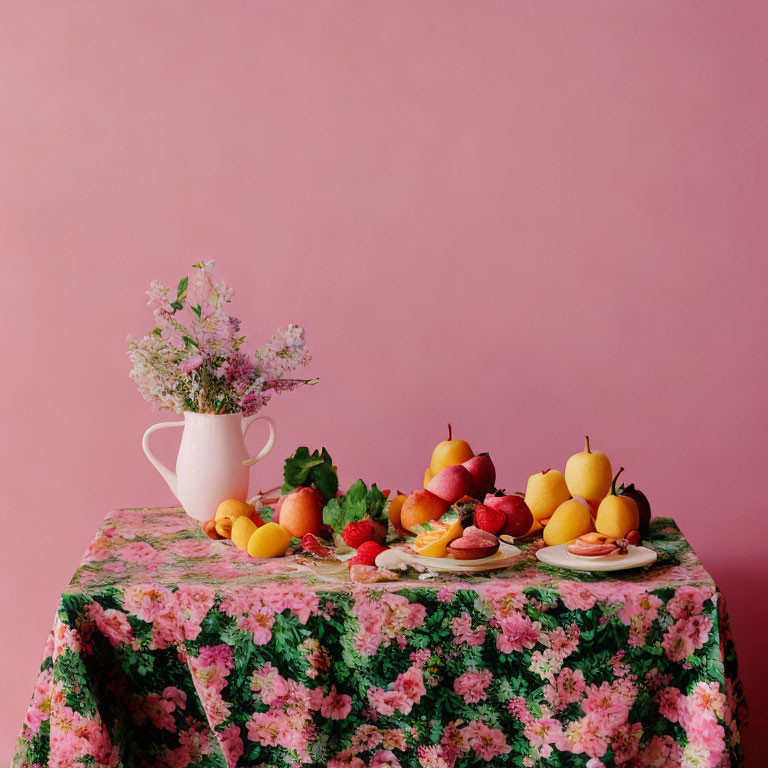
column 173, row 650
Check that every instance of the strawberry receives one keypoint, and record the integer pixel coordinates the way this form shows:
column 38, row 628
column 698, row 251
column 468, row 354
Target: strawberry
column 310, row 543
column 366, row 553
column 360, row 531
column 489, row 519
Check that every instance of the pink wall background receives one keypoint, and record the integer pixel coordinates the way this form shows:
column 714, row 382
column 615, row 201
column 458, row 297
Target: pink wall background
column 533, row 220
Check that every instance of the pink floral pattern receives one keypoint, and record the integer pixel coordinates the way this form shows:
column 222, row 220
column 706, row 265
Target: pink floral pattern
column 173, row 650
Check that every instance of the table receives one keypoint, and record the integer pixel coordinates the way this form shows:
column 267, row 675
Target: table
column 170, row 649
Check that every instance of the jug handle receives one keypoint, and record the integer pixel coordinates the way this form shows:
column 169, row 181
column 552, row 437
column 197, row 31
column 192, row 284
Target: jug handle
column 269, row 444
column 167, row 474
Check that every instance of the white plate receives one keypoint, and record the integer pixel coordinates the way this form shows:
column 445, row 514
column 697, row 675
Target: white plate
column 504, row 557
column 636, row 557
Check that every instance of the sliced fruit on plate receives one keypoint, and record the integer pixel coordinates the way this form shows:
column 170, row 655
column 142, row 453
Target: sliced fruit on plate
column 432, row 537
column 473, row 545
column 597, row 545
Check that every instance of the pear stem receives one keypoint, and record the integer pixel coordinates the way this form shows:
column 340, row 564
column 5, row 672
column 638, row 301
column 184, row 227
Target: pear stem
column 586, row 444
column 613, row 484
column 450, row 432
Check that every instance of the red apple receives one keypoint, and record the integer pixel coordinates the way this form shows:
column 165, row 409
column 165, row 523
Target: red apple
column 519, row 517
column 483, row 475
column 451, row 483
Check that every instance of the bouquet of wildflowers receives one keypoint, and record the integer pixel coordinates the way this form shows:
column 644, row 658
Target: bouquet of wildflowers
column 193, row 359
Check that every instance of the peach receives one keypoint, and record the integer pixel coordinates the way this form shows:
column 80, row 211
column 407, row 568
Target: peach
column 451, row 483
column 420, row 507
column 301, row 512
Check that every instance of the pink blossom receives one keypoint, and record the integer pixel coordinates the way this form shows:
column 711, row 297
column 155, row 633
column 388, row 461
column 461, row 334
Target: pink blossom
column 453, row 742
column 191, row 363
column 384, row 758
column 336, row 706
column 231, row 744
column 668, row 700
column 384, row 617
column 576, row 596
column 431, row 757
column 517, row 632
column 463, row 632
column 605, row 707
column 566, row 689
column 487, row 742
column 583, row 736
column 687, row 602
column 147, row 601
column 473, row 685
column 111, row 623
column 543, row 732
column 626, row 742
column 661, row 752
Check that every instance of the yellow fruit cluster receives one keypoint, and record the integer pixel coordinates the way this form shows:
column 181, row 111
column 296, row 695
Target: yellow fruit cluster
column 240, row 522
column 582, row 500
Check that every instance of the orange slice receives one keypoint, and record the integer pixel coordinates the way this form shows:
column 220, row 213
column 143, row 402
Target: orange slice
column 434, row 536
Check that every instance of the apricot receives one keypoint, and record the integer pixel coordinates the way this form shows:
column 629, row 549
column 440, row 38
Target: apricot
column 227, row 512
column 242, row 529
column 394, row 511
column 270, row 540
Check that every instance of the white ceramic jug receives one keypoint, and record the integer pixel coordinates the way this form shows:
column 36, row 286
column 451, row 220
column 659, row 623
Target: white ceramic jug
column 213, row 462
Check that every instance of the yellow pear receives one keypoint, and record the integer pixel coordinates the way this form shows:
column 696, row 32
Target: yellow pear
column 588, row 474
column 448, row 453
column 617, row 515
column 428, row 475
column 545, row 492
column 573, row 518
column 270, row 540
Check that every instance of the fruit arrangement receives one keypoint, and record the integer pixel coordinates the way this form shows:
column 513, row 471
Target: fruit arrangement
column 458, row 513
column 585, row 506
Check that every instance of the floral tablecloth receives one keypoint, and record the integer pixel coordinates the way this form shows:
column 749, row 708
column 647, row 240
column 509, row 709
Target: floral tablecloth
column 170, row 649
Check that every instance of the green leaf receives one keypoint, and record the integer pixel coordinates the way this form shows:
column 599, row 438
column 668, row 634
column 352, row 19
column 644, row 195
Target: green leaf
column 304, row 469
column 182, row 289
column 197, row 309
column 357, row 503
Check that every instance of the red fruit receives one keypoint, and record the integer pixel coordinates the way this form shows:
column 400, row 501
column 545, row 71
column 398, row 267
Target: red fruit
column 366, row 553
column 489, row 519
column 360, row 531
column 310, row 543
column 519, row 517
column 483, row 475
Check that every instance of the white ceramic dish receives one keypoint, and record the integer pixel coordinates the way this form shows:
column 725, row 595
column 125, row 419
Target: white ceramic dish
column 636, row 557
column 504, row 557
